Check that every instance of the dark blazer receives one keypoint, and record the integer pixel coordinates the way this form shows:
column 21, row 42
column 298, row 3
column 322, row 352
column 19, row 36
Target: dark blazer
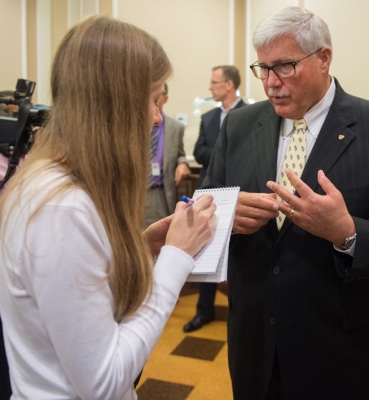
column 209, row 131
column 290, row 291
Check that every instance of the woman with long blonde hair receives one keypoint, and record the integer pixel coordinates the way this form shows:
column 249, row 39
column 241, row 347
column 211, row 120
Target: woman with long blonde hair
column 81, row 302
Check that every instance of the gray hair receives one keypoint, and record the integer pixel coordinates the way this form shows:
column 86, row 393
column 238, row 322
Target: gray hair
column 309, row 30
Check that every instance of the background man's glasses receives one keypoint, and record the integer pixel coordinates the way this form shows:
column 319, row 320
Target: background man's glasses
column 283, row 70
column 213, row 83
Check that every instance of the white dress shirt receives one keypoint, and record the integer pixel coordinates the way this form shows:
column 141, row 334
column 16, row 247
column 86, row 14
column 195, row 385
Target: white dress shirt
column 224, row 112
column 314, row 118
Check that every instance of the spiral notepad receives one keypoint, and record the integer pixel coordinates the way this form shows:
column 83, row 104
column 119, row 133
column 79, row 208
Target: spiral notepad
column 212, row 260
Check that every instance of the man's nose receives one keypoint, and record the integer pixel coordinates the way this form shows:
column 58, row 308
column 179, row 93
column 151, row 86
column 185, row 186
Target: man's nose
column 273, row 80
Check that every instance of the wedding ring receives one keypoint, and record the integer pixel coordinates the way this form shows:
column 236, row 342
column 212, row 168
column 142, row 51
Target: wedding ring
column 291, row 213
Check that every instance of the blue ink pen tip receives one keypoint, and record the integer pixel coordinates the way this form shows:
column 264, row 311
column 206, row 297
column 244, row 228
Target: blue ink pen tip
column 187, row 200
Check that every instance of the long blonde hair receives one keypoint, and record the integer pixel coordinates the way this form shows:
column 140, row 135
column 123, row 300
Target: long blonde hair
column 102, row 77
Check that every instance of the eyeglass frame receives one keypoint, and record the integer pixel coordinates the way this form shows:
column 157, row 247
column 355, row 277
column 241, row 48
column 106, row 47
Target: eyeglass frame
column 213, row 83
column 293, row 63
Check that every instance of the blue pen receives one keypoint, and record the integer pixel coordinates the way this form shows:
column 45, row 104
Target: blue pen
column 187, row 200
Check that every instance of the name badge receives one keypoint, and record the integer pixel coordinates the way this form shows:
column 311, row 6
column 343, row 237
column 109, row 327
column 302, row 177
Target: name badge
column 155, row 169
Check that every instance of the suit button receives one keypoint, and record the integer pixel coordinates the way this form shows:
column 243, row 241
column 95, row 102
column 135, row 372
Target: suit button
column 276, row 271
column 272, row 321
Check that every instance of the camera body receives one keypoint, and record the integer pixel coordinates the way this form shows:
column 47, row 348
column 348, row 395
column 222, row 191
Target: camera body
column 23, row 121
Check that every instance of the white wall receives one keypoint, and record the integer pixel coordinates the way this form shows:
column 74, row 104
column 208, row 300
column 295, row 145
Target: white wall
column 11, row 43
column 348, row 24
column 43, row 50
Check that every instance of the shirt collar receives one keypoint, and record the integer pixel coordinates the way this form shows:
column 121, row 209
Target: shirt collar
column 233, row 105
column 315, row 116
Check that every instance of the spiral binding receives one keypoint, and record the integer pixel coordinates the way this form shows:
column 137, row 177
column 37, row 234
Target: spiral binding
column 221, row 189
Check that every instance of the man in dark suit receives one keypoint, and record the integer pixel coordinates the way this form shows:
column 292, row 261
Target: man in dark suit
column 225, row 80
column 298, row 326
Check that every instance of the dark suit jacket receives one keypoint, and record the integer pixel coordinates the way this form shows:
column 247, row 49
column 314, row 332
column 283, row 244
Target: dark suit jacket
column 290, row 291
column 209, row 131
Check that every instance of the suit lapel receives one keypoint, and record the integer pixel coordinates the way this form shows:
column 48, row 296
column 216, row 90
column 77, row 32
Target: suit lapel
column 334, row 138
column 240, row 104
column 265, row 141
column 214, row 123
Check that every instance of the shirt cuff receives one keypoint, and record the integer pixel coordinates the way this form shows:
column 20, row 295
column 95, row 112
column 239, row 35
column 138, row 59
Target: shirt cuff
column 350, row 251
column 172, row 268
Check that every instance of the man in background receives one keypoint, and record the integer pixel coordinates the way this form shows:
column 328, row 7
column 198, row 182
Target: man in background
column 168, row 165
column 225, row 80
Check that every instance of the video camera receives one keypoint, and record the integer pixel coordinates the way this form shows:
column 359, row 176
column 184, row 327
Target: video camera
column 19, row 127
column 17, row 131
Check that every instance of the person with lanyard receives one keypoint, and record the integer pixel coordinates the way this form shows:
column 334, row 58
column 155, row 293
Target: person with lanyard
column 224, row 83
column 168, row 165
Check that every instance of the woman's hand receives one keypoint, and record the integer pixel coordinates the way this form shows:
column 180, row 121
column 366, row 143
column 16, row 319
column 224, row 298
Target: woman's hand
column 156, row 234
column 191, row 226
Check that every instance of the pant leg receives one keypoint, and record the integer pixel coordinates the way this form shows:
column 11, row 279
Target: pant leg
column 156, row 206
column 205, row 304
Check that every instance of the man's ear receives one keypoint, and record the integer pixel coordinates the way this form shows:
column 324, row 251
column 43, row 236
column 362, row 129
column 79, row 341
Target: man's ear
column 230, row 85
column 325, row 56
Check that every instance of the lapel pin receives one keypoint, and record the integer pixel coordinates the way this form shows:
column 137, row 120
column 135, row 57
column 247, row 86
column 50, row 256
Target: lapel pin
column 340, row 137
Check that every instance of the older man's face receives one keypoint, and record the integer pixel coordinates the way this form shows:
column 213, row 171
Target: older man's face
column 293, row 97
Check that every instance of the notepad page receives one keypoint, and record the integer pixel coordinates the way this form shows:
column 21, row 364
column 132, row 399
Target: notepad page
column 214, row 254
column 220, row 275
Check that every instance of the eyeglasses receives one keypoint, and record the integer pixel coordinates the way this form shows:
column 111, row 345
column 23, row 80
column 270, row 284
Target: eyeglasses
column 213, row 83
column 283, row 70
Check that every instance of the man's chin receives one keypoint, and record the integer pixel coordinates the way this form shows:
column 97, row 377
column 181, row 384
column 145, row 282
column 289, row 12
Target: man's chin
column 284, row 112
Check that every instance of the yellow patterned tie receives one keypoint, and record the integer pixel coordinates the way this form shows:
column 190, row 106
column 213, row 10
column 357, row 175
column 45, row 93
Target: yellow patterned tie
column 295, row 159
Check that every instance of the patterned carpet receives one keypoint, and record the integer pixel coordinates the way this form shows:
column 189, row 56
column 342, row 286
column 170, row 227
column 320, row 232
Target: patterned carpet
column 189, row 366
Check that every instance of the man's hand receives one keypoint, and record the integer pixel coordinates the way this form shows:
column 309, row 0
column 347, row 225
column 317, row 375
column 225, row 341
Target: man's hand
column 325, row 216
column 254, row 210
column 182, row 171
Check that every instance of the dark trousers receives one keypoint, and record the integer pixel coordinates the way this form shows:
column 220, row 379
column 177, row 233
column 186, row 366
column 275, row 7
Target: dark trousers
column 205, row 304
column 5, row 388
